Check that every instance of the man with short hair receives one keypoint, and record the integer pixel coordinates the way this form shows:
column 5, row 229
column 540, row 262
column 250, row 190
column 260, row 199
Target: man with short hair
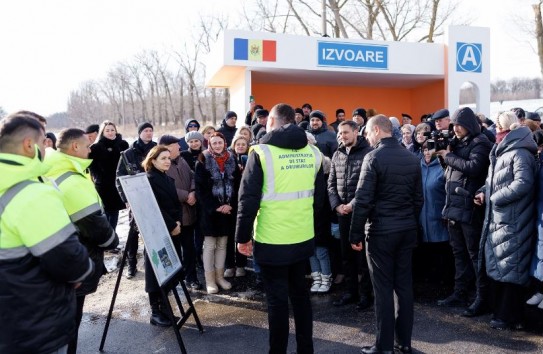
column 228, row 126
column 467, row 161
column 389, row 197
column 326, row 140
column 283, row 177
column 82, row 202
column 359, row 117
column 306, row 109
column 130, row 164
column 41, row 258
column 340, row 117
column 344, row 174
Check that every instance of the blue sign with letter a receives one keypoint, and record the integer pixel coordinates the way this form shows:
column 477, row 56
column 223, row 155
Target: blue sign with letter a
column 365, row 56
column 469, row 57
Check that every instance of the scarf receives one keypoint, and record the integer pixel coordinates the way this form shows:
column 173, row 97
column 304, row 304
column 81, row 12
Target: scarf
column 501, row 135
column 220, row 158
column 223, row 179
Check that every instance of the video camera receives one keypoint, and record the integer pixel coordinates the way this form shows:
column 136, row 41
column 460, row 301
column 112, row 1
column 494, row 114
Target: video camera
column 438, row 139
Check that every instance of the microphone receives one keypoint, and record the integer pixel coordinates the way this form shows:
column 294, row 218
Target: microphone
column 463, row 192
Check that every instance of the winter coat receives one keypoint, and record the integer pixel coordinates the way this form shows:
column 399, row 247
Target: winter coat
column 163, row 187
column 433, row 187
column 509, row 227
column 467, row 166
column 227, row 131
column 191, row 156
column 37, row 296
column 130, row 162
column 345, row 171
column 183, row 178
column 289, row 136
column 213, row 223
column 182, row 142
column 536, row 269
column 326, row 140
column 105, row 156
column 389, row 192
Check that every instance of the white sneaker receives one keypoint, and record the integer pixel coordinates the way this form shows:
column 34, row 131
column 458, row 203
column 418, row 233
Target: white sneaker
column 316, row 282
column 326, row 282
column 535, row 300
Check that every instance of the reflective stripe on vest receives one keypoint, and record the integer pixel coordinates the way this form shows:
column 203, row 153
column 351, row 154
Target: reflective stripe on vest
column 270, row 190
column 80, row 214
column 286, row 208
column 15, row 252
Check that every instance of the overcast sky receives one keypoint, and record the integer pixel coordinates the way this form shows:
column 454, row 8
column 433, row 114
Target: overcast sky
column 48, row 47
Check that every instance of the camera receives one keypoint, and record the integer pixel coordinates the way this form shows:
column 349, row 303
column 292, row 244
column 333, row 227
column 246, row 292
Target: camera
column 438, row 139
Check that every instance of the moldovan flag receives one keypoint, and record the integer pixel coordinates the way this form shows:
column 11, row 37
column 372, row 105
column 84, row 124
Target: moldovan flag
column 254, row 49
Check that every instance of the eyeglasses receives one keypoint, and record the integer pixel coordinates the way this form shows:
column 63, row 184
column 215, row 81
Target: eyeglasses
column 192, row 125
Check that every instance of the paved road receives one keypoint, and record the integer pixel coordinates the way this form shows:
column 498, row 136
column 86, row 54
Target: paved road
column 236, row 322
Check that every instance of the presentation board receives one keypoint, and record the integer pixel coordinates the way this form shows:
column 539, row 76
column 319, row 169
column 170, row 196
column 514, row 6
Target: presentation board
column 157, row 239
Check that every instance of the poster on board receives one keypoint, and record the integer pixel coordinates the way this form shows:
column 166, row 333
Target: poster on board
column 157, row 239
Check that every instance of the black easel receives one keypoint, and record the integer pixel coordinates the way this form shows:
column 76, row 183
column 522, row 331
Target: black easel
column 171, row 285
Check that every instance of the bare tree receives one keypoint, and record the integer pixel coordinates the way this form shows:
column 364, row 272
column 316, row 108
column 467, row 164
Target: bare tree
column 539, row 33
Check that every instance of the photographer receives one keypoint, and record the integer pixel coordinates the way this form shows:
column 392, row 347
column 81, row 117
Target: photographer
column 466, row 160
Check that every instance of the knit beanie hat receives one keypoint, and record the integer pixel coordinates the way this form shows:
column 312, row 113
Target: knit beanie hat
column 230, row 114
column 143, row 126
column 194, row 135
column 317, row 114
column 299, row 110
column 360, row 112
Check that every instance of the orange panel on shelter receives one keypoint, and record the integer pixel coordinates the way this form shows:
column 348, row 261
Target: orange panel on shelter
column 389, row 101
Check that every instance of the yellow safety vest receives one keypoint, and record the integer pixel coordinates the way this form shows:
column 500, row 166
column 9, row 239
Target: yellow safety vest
column 78, row 193
column 32, row 217
column 286, row 209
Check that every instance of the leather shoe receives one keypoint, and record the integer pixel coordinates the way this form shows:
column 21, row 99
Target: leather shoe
column 364, row 303
column 477, row 308
column 344, row 300
column 160, row 319
column 404, row 349
column 503, row 325
column 374, row 350
column 456, row 299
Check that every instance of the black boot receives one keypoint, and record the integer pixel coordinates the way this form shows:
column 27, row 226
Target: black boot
column 158, row 318
column 479, row 307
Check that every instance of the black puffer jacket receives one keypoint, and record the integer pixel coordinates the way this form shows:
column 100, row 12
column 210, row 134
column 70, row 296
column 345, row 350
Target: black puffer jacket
column 467, row 166
column 389, row 193
column 105, row 156
column 345, row 171
column 227, row 131
column 326, row 140
column 510, row 214
column 130, row 162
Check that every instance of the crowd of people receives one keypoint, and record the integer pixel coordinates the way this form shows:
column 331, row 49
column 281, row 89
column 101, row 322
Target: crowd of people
column 456, row 197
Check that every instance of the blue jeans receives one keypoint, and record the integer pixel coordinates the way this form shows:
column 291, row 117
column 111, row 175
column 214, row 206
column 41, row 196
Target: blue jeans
column 320, row 261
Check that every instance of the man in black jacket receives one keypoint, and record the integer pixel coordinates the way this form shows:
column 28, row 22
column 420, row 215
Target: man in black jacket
column 389, row 197
column 130, row 164
column 295, row 184
column 467, row 160
column 342, row 181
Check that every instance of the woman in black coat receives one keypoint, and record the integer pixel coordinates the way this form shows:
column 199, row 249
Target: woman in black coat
column 217, row 178
column 156, row 164
column 105, row 155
